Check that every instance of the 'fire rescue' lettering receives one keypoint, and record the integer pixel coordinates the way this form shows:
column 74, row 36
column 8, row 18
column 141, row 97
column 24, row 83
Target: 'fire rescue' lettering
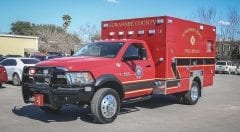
column 192, row 30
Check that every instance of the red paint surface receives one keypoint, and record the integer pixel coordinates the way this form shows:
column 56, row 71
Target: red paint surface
column 172, row 39
column 38, row 100
column 3, row 75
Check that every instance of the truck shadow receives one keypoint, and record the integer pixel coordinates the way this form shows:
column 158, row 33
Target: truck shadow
column 67, row 113
column 71, row 112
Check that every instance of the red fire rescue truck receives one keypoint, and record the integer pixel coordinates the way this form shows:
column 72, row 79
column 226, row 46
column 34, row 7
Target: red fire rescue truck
column 135, row 59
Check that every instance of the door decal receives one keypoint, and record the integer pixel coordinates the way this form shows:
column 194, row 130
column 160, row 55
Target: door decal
column 138, row 72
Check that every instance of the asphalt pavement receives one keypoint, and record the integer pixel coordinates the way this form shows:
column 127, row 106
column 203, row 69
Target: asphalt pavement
column 218, row 110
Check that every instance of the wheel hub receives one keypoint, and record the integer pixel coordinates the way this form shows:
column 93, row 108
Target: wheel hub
column 194, row 93
column 109, row 106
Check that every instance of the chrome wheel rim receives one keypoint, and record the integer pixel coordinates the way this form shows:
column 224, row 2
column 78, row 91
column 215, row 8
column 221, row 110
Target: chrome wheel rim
column 109, row 106
column 194, row 93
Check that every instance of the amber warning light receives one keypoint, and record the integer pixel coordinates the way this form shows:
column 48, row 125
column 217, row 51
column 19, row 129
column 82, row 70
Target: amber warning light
column 31, row 71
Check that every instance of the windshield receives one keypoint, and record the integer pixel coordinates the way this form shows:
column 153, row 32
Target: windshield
column 221, row 63
column 100, row 49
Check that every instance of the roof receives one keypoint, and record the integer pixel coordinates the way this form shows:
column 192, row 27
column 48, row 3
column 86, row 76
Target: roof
column 18, row 36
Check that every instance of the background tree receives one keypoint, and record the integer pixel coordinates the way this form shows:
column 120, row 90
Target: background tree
column 51, row 37
column 89, row 33
column 22, row 28
column 54, row 38
column 206, row 15
column 232, row 31
column 229, row 34
column 95, row 37
column 66, row 22
column 234, row 20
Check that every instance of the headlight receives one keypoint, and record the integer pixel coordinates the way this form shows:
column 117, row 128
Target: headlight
column 79, row 78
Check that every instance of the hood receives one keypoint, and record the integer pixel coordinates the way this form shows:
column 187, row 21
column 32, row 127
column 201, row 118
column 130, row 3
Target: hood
column 76, row 63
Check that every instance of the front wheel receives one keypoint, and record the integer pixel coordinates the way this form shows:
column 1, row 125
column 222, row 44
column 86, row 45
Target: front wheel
column 105, row 105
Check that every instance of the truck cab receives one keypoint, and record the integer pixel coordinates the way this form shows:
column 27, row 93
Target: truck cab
column 135, row 59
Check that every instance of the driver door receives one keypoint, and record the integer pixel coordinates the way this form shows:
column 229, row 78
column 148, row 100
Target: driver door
column 137, row 71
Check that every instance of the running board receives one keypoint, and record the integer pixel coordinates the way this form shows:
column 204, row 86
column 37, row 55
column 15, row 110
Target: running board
column 138, row 99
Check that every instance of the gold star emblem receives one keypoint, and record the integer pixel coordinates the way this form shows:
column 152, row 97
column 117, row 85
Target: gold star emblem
column 192, row 40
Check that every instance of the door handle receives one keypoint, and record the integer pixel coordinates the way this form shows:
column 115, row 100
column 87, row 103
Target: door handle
column 148, row 66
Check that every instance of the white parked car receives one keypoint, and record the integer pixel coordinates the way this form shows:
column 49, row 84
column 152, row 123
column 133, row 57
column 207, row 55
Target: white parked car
column 238, row 69
column 14, row 67
column 225, row 67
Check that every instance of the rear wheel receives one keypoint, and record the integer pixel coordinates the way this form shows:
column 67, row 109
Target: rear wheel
column 0, row 85
column 16, row 79
column 192, row 96
column 105, row 105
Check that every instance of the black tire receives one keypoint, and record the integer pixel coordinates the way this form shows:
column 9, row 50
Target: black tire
column 189, row 98
column 16, row 79
column 235, row 73
column 97, row 105
column 48, row 109
column 180, row 98
column 229, row 72
column 0, row 85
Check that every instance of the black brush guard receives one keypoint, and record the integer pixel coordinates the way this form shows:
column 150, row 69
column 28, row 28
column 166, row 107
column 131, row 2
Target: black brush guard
column 52, row 84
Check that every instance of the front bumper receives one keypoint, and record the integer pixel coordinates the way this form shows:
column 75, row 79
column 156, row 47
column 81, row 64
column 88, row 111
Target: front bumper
column 54, row 94
column 221, row 69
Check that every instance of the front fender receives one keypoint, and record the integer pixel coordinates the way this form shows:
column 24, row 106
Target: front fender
column 106, row 78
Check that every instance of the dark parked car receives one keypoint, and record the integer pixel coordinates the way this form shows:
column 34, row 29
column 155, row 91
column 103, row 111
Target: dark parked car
column 50, row 55
column 13, row 56
column 2, row 58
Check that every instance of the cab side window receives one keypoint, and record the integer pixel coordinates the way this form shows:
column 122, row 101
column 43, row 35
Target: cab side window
column 135, row 52
column 9, row 62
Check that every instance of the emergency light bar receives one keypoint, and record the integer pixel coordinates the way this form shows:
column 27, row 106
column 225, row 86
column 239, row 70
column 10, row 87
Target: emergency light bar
column 111, row 33
column 121, row 33
column 140, row 32
column 170, row 21
column 153, row 31
column 160, row 21
column 130, row 32
column 105, row 25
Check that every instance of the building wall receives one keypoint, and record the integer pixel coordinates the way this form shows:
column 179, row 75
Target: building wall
column 15, row 45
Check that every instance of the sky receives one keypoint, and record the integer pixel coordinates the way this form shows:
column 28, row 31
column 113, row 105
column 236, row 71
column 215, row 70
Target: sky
column 94, row 11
